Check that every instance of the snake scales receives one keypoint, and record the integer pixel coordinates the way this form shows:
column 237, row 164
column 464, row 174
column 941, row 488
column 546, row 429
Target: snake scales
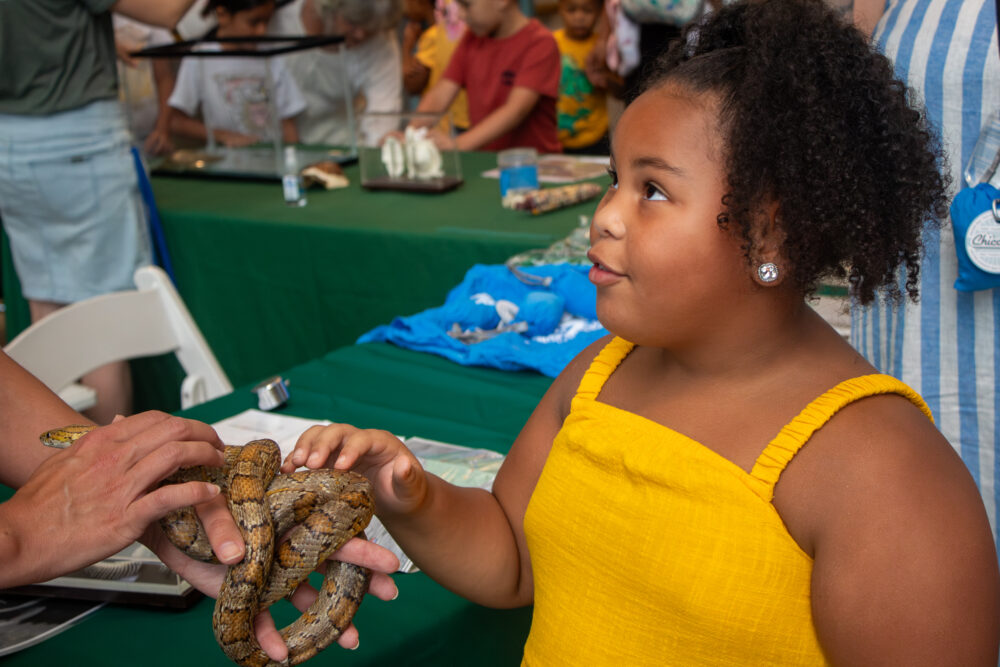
column 317, row 510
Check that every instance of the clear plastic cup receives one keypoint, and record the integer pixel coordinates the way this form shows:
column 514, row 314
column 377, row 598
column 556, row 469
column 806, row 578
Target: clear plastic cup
column 518, row 170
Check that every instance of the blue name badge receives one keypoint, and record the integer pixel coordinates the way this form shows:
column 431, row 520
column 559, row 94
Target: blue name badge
column 977, row 237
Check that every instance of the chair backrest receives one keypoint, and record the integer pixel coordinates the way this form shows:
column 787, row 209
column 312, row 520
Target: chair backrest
column 150, row 320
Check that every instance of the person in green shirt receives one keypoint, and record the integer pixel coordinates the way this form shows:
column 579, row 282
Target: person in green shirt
column 69, row 196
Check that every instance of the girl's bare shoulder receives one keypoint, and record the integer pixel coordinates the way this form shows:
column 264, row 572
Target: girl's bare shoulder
column 878, row 455
column 900, row 539
column 564, row 387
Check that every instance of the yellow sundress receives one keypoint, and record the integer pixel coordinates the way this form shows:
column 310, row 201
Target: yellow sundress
column 648, row 548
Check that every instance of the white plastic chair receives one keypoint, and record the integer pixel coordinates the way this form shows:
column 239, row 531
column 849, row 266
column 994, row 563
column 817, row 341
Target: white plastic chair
column 151, row 320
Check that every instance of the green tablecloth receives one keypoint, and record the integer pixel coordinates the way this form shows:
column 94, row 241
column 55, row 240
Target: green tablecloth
column 373, row 385
column 272, row 286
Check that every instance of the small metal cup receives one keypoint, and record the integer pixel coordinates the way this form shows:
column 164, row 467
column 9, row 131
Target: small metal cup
column 272, row 393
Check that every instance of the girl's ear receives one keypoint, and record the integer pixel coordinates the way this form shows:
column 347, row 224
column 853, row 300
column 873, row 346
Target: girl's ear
column 769, row 266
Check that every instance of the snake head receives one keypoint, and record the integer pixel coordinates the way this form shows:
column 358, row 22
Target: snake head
column 62, row 438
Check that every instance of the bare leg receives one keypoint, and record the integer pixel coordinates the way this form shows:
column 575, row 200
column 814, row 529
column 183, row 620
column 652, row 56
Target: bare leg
column 112, row 382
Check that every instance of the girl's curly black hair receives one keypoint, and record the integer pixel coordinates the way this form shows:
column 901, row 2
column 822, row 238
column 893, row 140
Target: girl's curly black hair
column 814, row 119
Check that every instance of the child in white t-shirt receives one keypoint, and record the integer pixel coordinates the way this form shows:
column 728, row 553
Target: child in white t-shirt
column 234, row 94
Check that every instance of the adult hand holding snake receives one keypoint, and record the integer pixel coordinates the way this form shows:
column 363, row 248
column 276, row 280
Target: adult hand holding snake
column 76, row 506
column 85, row 503
column 212, row 514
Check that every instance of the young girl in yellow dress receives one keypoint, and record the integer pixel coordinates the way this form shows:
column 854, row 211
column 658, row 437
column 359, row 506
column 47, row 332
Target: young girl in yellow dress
column 725, row 481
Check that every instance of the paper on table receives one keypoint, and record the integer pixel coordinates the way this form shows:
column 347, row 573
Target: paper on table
column 256, row 424
column 564, row 168
column 459, row 465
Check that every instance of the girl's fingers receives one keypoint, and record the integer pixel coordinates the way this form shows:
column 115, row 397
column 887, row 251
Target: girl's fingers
column 331, row 445
column 303, row 446
column 315, row 446
column 370, row 444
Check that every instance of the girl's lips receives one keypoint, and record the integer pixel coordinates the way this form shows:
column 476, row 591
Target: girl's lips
column 601, row 275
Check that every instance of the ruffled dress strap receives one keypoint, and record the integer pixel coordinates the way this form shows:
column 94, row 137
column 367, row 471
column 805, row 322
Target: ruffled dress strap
column 780, row 451
column 601, row 368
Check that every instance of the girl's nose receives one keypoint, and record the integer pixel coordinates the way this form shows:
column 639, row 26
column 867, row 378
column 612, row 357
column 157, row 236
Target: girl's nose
column 608, row 219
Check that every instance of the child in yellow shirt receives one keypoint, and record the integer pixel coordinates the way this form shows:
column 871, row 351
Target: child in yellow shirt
column 725, row 481
column 424, row 64
column 582, row 106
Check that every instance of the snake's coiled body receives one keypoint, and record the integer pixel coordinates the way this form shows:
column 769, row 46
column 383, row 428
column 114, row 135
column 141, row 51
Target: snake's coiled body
column 315, row 511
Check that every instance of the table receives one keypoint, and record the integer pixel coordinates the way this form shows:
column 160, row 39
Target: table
column 272, row 286
column 372, row 385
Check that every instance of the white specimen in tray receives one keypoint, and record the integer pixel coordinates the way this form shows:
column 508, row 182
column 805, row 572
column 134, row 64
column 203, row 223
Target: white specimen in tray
column 392, row 157
column 416, row 155
column 423, row 157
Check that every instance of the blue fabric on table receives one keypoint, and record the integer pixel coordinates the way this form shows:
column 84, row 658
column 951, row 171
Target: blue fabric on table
column 551, row 323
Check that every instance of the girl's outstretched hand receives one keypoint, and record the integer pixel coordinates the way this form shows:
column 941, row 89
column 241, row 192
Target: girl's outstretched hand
column 399, row 479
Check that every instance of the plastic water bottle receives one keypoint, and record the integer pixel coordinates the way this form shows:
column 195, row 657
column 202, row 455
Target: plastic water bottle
column 291, row 181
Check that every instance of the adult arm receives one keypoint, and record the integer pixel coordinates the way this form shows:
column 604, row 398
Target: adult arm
column 76, row 506
column 27, row 409
column 164, row 13
column 159, row 142
column 184, row 125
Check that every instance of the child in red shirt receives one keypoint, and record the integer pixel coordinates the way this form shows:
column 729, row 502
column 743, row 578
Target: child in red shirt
column 509, row 65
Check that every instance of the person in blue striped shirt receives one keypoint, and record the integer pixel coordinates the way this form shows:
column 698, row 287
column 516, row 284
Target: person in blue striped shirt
column 947, row 346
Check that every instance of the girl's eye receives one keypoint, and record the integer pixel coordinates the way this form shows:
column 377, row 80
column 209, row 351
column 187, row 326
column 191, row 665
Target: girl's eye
column 614, row 177
column 654, row 193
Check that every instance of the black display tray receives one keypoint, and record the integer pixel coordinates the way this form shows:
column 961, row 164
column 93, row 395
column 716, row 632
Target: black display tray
column 271, row 45
column 443, row 184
